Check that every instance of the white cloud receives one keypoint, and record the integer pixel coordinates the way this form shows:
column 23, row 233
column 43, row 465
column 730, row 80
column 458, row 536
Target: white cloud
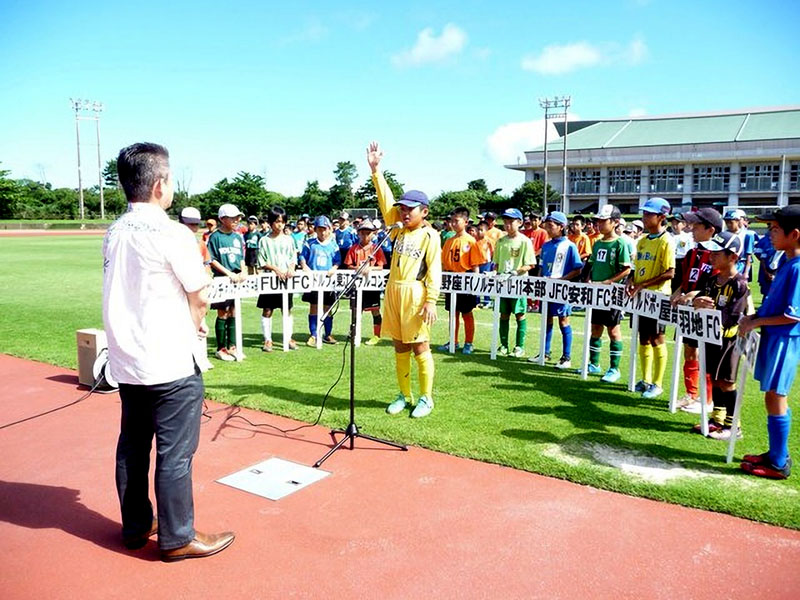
column 559, row 59
column 432, row 49
column 507, row 144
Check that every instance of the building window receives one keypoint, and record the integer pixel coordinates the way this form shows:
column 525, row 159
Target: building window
column 711, row 179
column 624, row 181
column 794, row 177
column 666, row 179
column 584, row 181
column 760, row 178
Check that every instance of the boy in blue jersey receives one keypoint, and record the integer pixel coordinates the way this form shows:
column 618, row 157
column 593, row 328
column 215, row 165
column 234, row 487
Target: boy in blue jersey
column 320, row 254
column 560, row 260
column 779, row 352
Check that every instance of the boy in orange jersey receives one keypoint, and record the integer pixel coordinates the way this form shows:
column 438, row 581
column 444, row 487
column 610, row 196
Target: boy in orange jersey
column 579, row 238
column 461, row 254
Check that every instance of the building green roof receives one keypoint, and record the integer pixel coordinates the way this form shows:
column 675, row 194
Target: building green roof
column 663, row 131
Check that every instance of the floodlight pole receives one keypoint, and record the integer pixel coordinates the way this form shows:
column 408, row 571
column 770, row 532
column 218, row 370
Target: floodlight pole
column 547, row 104
column 96, row 107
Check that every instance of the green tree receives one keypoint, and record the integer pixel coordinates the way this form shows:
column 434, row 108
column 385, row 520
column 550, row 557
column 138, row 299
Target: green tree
column 478, row 185
column 446, row 202
column 110, row 175
column 528, row 197
column 314, row 200
column 9, row 195
column 247, row 191
column 366, row 197
column 340, row 195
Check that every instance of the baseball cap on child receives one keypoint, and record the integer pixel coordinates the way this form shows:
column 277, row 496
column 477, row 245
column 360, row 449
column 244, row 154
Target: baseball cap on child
column 512, row 213
column 724, row 240
column 229, row 210
column 191, row 216
column 556, row 217
column 609, row 211
column 658, row 206
column 734, row 213
column 708, row 216
column 322, row 221
column 413, row 198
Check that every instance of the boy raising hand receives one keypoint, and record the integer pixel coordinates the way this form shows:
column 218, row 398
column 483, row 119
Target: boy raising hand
column 415, row 276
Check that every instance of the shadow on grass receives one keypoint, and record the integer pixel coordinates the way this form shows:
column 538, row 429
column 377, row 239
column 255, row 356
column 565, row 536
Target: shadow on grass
column 269, row 391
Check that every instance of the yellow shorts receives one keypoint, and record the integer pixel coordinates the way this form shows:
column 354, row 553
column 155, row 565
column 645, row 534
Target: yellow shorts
column 401, row 307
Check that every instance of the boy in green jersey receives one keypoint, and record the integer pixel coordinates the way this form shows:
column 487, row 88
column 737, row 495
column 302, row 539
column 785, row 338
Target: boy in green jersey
column 513, row 255
column 610, row 262
column 277, row 254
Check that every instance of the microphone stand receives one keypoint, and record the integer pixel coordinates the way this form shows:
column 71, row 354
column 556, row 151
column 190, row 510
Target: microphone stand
column 351, row 432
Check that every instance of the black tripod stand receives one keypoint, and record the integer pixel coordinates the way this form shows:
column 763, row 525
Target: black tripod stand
column 351, row 432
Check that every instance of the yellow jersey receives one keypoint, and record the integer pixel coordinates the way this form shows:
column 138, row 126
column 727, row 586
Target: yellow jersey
column 654, row 255
column 416, row 253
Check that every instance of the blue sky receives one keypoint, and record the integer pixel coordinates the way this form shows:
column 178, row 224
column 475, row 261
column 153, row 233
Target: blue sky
column 287, row 89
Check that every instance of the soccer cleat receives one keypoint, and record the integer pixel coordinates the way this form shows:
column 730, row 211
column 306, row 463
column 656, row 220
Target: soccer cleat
column 232, row 351
column 725, row 433
column 423, row 408
column 329, row 339
column 611, row 376
column 713, row 427
column 757, row 459
column 686, row 400
column 398, row 405
column 694, row 407
column 641, row 387
column 767, row 469
column 653, row 391
column 292, row 345
column 535, row 359
column 222, row 354
column 267, row 347
column 373, row 341
column 446, row 347
column 312, row 341
column 563, row 363
column 593, row 369
column 467, row 349
column 518, row 352
column 502, row 351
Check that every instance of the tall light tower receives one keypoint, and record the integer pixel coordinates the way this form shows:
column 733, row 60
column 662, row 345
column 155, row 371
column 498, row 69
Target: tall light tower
column 88, row 110
column 547, row 104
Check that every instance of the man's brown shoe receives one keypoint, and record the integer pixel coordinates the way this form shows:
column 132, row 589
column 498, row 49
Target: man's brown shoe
column 138, row 541
column 203, row 544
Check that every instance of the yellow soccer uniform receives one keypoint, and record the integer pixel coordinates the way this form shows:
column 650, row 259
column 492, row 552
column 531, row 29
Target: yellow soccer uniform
column 415, row 274
column 654, row 256
column 461, row 254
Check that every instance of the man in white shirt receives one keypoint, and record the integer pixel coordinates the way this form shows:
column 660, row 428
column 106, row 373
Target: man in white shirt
column 154, row 303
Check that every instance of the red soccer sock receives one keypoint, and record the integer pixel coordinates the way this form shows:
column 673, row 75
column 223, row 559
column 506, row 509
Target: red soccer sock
column 469, row 328
column 691, row 377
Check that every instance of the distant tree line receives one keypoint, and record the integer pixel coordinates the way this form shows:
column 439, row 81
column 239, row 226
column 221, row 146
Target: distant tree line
column 28, row 199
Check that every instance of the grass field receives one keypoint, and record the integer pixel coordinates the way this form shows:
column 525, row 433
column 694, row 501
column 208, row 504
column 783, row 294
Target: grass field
column 507, row 411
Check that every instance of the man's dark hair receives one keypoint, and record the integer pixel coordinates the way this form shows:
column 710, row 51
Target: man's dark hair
column 578, row 219
column 139, row 166
column 788, row 224
column 275, row 213
column 460, row 211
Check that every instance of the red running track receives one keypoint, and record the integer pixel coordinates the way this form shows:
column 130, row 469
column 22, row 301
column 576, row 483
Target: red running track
column 385, row 524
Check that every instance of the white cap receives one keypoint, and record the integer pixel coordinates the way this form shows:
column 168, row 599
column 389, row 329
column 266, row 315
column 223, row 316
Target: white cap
column 190, row 215
column 229, row 210
column 638, row 223
column 377, row 224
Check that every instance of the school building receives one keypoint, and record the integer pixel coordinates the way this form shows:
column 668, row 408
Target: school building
column 738, row 158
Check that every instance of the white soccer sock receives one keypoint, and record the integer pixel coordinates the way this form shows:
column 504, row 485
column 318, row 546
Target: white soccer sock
column 266, row 328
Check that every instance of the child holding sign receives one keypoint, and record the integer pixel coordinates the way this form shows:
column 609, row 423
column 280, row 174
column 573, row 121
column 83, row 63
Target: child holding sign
column 779, row 353
column 610, row 262
column 654, row 268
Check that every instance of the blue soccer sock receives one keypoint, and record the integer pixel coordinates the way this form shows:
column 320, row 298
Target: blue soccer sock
column 778, row 427
column 328, row 323
column 548, row 340
column 312, row 325
column 566, row 336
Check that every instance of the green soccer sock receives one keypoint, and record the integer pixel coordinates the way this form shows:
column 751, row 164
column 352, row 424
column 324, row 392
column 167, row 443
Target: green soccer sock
column 504, row 332
column 230, row 331
column 219, row 331
column 595, row 345
column 616, row 353
column 522, row 330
